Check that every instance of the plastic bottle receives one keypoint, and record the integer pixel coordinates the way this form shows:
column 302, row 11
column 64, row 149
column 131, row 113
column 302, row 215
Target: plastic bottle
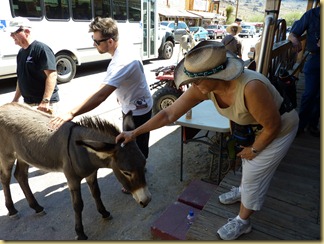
column 189, row 114
column 190, row 217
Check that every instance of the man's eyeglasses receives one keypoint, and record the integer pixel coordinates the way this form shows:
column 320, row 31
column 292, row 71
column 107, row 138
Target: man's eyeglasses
column 17, row 31
column 99, row 41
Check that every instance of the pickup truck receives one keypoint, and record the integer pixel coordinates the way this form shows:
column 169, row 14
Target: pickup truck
column 166, row 43
column 215, row 31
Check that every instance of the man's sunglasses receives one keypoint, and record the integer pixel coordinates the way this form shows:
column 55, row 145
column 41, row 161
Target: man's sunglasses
column 99, row 41
column 17, row 31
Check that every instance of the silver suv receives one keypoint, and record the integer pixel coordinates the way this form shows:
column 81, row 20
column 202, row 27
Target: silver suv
column 178, row 30
column 247, row 30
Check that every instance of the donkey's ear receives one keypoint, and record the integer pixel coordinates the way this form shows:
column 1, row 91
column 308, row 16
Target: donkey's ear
column 102, row 149
column 128, row 122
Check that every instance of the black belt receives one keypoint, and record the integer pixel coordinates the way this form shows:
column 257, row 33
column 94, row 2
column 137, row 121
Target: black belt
column 285, row 108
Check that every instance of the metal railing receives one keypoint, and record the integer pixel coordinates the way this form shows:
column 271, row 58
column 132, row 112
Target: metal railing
column 282, row 54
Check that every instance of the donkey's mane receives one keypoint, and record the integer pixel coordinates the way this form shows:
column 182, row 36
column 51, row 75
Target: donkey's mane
column 99, row 124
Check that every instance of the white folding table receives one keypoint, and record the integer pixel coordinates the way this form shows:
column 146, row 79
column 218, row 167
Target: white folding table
column 204, row 117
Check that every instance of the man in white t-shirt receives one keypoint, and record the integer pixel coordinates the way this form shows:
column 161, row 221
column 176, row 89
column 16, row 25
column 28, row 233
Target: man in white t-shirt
column 125, row 75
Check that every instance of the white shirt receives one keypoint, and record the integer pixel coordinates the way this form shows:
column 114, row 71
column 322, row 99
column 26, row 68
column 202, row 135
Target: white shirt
column 126, row 73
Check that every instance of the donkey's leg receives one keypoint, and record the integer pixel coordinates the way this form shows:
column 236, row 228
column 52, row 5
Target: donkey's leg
column 95, row 191
column 77, row 202
column 21, row 174
column 5, row 176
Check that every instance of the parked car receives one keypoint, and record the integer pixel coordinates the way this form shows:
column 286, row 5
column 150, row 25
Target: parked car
column 259, row 32
column 225, row 26
column 215, row 31
column 200, row 33
column 166, row 41
column 248, row 30
column 178, row 30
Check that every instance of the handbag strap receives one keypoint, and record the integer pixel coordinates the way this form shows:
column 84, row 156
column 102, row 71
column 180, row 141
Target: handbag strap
column 230, row 41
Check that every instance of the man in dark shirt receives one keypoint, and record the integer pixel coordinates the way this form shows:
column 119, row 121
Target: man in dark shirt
column 238, row 21
column 309, row 112
column 36, row 68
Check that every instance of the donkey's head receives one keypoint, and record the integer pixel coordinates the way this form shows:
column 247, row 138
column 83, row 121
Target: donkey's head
column 127, row 162
column 187, row 41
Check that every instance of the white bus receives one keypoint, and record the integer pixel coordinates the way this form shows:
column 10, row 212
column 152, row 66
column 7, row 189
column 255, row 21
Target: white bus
column 64, row 25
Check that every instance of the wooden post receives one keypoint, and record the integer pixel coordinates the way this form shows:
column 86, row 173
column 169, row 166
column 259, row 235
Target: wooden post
column 271, row 16
column 237, row 4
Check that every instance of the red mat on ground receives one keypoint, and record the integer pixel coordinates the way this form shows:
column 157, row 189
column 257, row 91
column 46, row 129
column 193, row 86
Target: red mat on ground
column 172, row 224
column 197, row 193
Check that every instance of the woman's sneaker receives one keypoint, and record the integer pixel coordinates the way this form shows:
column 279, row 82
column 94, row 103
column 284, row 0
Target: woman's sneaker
column 233, row 229
column 230, row 197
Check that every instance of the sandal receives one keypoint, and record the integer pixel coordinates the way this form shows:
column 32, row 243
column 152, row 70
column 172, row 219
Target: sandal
column 125, row 191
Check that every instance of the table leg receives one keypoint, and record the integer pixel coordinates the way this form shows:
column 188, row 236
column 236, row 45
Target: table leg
column 220, row 159
column 219, row 162
column 181, row 156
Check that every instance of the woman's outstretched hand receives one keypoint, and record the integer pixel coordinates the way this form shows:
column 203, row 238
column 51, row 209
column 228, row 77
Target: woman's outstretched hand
column 125, row 137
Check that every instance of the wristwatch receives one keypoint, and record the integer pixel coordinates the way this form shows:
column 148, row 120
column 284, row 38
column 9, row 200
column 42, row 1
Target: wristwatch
column 45, row 100
column 254, row 150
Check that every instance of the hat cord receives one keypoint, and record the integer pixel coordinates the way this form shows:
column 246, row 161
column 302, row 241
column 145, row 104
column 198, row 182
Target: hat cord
column 205, row 73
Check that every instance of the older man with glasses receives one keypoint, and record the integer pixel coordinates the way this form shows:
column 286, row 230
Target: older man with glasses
column 125, row 75
column 36, row 68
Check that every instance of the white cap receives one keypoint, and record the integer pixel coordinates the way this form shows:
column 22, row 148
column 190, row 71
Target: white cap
column 17, row 23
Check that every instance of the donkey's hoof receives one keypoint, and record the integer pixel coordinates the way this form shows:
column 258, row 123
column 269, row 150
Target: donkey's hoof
column 41, row 213
column 14, row 216
column 108, row 217
column 81, row 237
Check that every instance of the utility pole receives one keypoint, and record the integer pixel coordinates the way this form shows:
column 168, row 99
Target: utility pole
column 237, row 3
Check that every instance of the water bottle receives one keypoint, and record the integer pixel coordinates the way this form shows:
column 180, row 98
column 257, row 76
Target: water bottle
column 190, row 217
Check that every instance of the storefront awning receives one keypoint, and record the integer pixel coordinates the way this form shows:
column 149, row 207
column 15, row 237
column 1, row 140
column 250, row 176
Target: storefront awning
column 206, row 15
column 177, row 13
column 203, row 15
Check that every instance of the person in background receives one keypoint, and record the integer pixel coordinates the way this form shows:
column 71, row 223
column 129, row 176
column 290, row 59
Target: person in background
column 309, row 111
column 125, row 76
column 36, row 68
column 232, row 42
column 243, row 97
column 238, row 21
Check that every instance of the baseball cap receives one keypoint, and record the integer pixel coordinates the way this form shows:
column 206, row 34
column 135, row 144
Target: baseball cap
column 17, row 23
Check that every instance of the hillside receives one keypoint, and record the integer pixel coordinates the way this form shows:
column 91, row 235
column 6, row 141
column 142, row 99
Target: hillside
column 248, row 9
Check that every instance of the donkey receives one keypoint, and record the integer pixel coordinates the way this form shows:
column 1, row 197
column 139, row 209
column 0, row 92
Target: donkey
column 76, row 149
column 187, row 42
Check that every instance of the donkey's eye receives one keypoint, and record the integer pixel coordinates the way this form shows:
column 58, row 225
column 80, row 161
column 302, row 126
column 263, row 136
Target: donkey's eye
column 127, row 173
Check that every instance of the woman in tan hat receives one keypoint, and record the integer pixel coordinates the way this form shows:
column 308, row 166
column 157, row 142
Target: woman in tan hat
column 231, row 41
column 245, row 97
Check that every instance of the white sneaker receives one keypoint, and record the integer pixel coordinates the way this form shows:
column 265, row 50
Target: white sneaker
column 233, row 229
column 230, row 197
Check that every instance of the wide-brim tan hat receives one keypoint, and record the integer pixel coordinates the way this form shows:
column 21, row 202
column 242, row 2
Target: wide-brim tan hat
column 208, row 60
column 229, row 27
